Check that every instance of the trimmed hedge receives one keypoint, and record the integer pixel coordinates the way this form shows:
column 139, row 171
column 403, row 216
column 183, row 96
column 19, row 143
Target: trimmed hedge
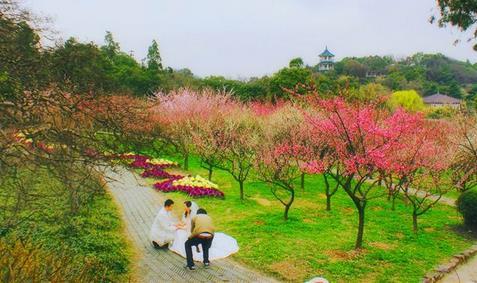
column 467, row 206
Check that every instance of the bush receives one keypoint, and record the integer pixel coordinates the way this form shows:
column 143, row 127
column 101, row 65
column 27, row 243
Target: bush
column 22, row 261
column 467, row 206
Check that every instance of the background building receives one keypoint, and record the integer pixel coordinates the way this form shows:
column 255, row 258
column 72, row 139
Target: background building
column 439, row 100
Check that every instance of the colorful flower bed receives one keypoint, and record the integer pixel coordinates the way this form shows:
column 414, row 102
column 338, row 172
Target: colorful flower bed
column 158, row 173
column 196, row 181
column 155, row 168
column 192, row 190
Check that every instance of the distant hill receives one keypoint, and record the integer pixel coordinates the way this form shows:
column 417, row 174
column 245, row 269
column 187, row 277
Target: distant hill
column 427, row 73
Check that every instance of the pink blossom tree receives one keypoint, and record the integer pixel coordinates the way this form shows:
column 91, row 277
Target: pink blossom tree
column 360, row 136
column 208, row 135
column 281, row 154
column 320, row 159
column 280, row 166
column 419, row 164
column 181, row 112
column 237, row 141
column 206, row 141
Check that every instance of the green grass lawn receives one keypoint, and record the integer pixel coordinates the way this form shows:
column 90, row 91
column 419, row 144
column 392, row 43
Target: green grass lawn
column 315, row 242
column 453, row 194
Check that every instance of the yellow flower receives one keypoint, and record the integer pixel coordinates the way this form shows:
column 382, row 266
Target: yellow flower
column 196, row 181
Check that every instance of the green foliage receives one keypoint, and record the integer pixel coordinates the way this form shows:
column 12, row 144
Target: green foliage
column 112, row 47
column 289, row 79
column 407, row 99
column 441, row 112
column 352, row 67
column 22, row 65
column 296, row 63
column 369, row 92
column 82, row 67
column 154, row 57
column 459, row 13
column 254, row 89
column 467, row 206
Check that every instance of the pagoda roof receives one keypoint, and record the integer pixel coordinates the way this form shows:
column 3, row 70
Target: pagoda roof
column 327, row 53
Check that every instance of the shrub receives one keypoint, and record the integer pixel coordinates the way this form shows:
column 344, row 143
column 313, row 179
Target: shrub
column 467, row 206
column 407, row 99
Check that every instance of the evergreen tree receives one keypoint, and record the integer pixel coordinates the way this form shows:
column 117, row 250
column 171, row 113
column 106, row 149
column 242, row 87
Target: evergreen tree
column 112, row 47
column 154, row 61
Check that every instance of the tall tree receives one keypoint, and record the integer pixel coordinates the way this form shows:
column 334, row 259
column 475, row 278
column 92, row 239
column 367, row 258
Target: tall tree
column 112, row 47
column 296, row 63
column 154, row 61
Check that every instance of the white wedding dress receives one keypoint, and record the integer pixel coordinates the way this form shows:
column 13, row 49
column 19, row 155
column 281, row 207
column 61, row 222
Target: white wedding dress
column 222, row 245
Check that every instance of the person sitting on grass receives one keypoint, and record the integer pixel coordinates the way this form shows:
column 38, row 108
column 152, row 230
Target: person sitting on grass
column 202, row 233
column 164, row 226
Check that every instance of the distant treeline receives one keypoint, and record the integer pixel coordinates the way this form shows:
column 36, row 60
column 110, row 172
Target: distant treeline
column 87, row 67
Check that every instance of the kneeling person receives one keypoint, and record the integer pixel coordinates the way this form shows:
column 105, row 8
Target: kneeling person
column 164, row 226
column 203, row 234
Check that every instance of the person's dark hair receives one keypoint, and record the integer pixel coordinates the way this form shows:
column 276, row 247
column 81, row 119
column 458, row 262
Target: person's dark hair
column 168, row 202
column 187, row 203
column 201, row 211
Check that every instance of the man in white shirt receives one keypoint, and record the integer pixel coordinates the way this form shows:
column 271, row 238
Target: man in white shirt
column 164, row 226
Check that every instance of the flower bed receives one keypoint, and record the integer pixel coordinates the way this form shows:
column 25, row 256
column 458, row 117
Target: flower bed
column 145, row 162
column 196, row 181
column 154, row 168
column 157, row 172
column 178, row 185
column 162, row 162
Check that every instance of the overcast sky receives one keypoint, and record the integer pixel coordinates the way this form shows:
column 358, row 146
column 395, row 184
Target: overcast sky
column 243, row 38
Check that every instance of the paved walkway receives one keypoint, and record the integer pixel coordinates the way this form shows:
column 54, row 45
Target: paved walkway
column 466, row 273
column 139, row 204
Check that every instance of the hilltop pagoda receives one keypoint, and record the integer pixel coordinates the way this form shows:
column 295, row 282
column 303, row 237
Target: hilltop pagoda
column 327, row 61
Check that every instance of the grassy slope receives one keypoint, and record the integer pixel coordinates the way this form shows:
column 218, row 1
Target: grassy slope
column 95, row 235
column 316, row 242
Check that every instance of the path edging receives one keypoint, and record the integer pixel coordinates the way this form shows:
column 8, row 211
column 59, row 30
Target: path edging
column 457, row 260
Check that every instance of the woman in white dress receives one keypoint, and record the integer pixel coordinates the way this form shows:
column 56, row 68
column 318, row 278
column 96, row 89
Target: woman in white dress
column 222, row 245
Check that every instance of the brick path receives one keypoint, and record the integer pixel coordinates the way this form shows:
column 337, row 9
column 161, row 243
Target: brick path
column 139, row 204
column 466, row 273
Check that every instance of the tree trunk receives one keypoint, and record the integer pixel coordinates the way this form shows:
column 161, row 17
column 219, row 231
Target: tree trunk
column 393, row 206
column 289, row 204
column 285, row 215
column 327, row 193
column 186, row 161
column 359, row 238
column 414, row 222
column 211, row 168
column 302, row 183
column 328, row 202
column 241, row 190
